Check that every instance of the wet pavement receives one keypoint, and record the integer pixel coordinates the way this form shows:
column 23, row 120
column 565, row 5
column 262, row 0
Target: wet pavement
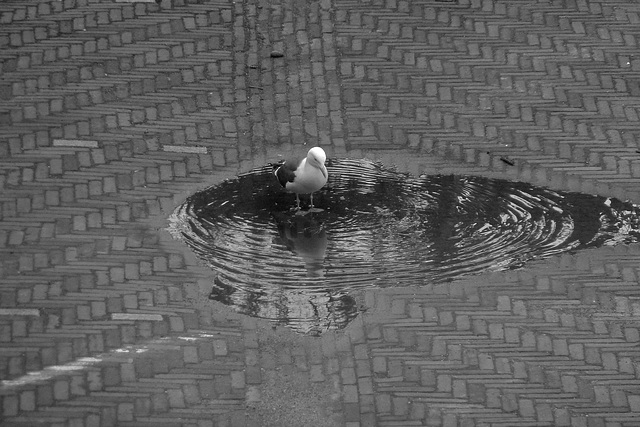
column 113, row 113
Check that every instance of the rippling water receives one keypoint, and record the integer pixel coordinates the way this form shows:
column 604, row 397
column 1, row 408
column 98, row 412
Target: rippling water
column 378, row 227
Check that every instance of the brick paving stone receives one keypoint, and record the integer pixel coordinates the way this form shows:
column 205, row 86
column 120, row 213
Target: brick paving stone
column 112, row 112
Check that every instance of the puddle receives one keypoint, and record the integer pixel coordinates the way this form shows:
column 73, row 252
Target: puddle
column 378, row 228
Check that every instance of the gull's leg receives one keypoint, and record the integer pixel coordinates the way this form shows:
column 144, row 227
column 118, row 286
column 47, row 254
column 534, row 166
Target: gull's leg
column 311, row 206
column 297, row 201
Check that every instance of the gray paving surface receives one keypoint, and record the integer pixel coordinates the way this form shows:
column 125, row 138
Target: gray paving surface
column 111, row 113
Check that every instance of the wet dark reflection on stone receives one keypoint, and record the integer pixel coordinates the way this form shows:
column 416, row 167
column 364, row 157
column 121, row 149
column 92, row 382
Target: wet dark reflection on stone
column 379, row 228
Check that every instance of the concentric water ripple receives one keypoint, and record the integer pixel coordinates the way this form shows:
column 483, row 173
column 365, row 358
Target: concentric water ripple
column 379, row 228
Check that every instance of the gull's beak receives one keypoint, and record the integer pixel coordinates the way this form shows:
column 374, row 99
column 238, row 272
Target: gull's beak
column 320, row 166
column 322, row 169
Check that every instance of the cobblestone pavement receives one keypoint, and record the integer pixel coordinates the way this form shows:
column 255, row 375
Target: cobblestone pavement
column 113, row 112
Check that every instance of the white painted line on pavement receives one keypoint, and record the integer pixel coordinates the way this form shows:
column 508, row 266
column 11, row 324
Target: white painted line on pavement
column 136, row 316
column 75, row 143
column 19, row 312
column 184, row 149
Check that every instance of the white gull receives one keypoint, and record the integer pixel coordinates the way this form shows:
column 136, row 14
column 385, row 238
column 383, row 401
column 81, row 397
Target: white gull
column 305, row 176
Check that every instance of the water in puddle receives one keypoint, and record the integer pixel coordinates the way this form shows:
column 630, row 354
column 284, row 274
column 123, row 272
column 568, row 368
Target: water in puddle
column 378, row 227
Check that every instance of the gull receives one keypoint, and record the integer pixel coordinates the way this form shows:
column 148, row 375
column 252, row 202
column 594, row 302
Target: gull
column 305, row 176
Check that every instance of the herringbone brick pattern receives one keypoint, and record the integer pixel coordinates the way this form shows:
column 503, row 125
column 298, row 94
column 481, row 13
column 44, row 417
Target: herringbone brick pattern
column 101, row 103
column 112, row 112
column 551, row 86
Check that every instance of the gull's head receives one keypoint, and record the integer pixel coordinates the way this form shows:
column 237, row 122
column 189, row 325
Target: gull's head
column 317, row 156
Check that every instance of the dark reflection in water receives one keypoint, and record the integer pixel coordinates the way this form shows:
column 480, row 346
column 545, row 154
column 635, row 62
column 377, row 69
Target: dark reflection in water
column 379, row 228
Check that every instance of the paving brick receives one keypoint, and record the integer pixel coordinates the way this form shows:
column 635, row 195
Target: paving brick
column 111, row 112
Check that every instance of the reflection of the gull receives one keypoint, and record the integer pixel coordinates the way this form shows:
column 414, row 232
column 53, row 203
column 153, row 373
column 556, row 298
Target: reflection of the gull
column 309, row 307
column 306, row 237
